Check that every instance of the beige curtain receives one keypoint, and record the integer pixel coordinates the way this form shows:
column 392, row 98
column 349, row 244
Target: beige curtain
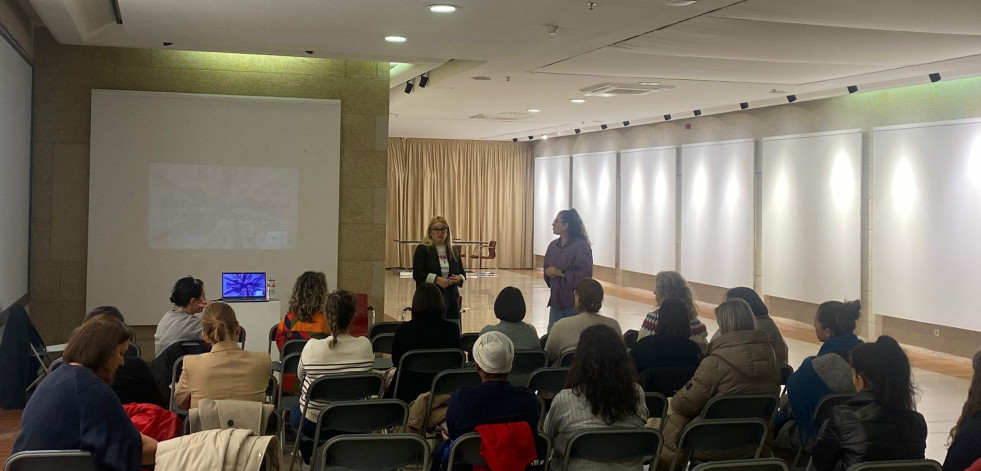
column 482, row 188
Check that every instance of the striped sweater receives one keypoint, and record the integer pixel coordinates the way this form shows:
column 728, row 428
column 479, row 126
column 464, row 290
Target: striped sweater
column 350, row 355
column 699, row 333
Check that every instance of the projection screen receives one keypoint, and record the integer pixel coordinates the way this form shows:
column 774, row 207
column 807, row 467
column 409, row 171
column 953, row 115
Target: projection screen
column 187, row 184
column 648, row 209
column 594, row 195
column 926, row 222
column 551, row 196
column 16, row 77
column 812, row 216
column 717, row 213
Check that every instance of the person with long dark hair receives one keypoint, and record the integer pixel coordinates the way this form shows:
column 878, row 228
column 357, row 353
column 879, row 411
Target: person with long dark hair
column 568, row 260
column 179, row 324
column 437, row 261
column 668, row 359
column 881, row 422
column 426, row 330
column 601, row 390
column 965, row 436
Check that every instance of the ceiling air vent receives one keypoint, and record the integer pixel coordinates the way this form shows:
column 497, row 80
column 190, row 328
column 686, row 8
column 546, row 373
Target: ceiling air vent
column 619, row 89
column 506, row 116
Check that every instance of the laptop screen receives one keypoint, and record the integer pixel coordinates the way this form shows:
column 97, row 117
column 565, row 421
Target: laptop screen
column 243, row 285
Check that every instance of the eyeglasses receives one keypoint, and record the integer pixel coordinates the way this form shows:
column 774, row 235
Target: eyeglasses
column 439, row 229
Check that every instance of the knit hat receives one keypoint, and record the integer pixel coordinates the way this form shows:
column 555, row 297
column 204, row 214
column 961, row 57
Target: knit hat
column 494, row 352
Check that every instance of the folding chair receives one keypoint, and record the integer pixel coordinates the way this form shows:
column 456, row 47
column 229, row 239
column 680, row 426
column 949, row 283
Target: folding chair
column 657, row 407
column 566, row 358
column 467, row 339
column 418, row 368
column 241, row 336
column 134, row 350
column 50, row 460
column 897, row 465
column 524, row 363
column 293, row 346
column 466, row 451
column 547, row 382
column 448, row 382
column 822, row 411
column 383, row 328
column 285, row 403
column 758, row 464
column 272, row 339
column 666, row 380
column 374, row 452
column 382, row 343
column 742, row 406
column 717, row 436
column 785, row 373
column 614, row 445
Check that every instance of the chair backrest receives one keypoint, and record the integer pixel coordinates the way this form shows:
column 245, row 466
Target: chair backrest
column 827, row 403
column 666, row 380
column 272, row 338
column 346, row 387
column 758, row 464
column 785, row 372
column 492, row 249
column 382, row 343
column 355, row 417
column 175, row 374
column 134, row 350
column 566, row 358
column 375, row 452
column 720, row 436
column 241, row 336
column 657, row 405
column 614, row 445
column 548, row 380
column 466, row 451
column 293, row 346
column 418, row 368
column 448, row 381
column 897, row 465
column 288, row 366
column 467, row 339
column 741, row 406
column 50, row 460
column 383, row 328
column 195, row 347
column 524, row 363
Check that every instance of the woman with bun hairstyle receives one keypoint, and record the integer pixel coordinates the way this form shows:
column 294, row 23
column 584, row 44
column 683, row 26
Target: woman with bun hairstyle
column 827, row 372
column 227, row 371
column 305, row 317
column 880, row 422
column 568, row 260
column 965, row 437
column 436, row 260
column 671, row 285
column 564, row 336
column 179, row 324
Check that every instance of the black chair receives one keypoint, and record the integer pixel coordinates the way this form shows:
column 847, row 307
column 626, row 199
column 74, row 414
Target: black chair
column 566, row 358
column 448, row 382
column 418, row 368
column 614, row 445
column 547, row 382
column 720, row 436
column 383, row 328
column 758, row 464
column 466, row 451
column 162, row 366
column 524, row 363
column 467, row 339
column 657, row 406
column 175, row 376
column 272, row 338
column 241, row 336
column 382, row 343
column 897, row 465
column 353, row 417
column 285, row 402
column 742, row 406
column 785, row 372
column 375, row 452
column 666, row 380
column 133, row 350
column 293, row 346
column 50, row 460
column 822, row 411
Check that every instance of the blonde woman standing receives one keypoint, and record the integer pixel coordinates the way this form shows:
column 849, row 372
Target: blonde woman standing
column 436, row 260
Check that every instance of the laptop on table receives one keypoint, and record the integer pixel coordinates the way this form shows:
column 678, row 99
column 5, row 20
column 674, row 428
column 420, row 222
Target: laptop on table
column 243, row 287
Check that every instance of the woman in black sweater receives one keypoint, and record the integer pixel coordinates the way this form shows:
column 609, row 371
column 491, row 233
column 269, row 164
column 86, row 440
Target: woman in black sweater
column 668, row 359
column 426, row 330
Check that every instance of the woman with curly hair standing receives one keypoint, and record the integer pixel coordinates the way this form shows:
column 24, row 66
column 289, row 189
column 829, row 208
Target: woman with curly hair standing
column 601, row 391
column 305, row 317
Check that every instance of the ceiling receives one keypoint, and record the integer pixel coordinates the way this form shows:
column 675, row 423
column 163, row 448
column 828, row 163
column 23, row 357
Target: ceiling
column 714, row 53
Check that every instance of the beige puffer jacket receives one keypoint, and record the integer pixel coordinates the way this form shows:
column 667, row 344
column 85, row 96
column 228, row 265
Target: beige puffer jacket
column 739, row 362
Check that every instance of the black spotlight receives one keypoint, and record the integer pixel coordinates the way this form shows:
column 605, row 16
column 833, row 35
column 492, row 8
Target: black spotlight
column 626, row 123
column 698, row 112
column 935, row 77
column 667, row 117
column 791, row 98
column 744, row 105
column 514, row 139
column 852, row 88
column 531, row 138
column 578, row 131
column 309, row 52
column 408, row 87
column 167, row 43
column 423, row 81
column 603, row 126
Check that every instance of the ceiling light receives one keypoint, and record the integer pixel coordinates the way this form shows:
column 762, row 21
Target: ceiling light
column 408, row 87
column 514, row 139
column 626, row 123
column 578, row 131
column 544, row 136
column 698, row 112
column 533, row 110
column 167, row 43
column 603, row 126
column 744, row 105
column 423, row 80
column 667, row 117
column 935, row 77
column 679, row 3
column 649, row 83
column 852, row 88
column 578, row 100
column 531, row 137
column 791, row 98
column 442, row 8
column 395, row 39
column 308, row 52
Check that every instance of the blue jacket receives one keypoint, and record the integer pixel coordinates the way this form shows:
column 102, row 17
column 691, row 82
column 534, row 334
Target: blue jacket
column 825, row 373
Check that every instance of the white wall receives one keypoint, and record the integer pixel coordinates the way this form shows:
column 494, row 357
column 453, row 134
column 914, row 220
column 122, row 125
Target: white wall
column 551, row 196
column 648, row 209
column 15, row 173
column 594, row 195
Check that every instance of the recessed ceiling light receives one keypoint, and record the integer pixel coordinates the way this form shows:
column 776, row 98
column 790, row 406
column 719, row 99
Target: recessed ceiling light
column 578, row 100
column 533, row 110
column 395, row 39
column 649, row 83
column 442, row 8
column 679, row 3
column 481, row 77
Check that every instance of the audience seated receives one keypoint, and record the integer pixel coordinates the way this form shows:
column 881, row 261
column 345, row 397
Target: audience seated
column 601, row 391
column 510, row 308
column 305, row 317
column 227, row 371
column 133, row 381
column 880, row 422
column 741, row 360
column 426, row 330
column 339, row 353
column 667, row 360
column 671, row 285
column 564, row 336
column 965, row 437
column 827, row 372
column 75, row 409
column 179, row 323
column 763, row 320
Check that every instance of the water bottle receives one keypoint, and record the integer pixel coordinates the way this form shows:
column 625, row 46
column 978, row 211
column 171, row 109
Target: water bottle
column 271, row 291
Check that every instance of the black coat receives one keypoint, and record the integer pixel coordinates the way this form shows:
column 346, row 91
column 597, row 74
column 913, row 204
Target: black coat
column 425, row 261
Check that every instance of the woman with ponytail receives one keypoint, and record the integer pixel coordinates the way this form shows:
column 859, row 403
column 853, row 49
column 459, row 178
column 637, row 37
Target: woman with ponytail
column 227, row 372
column 339, row 353
column 965, row 437
column 564, row 336
column 880, row 423
column 568, row 260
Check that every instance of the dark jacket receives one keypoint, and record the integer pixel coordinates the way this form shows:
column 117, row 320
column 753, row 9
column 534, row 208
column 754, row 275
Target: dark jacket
column 134, row 382
column 425, row 261
column 419, row 334
column 966, row 447
column 860, row 430
column 665, row 363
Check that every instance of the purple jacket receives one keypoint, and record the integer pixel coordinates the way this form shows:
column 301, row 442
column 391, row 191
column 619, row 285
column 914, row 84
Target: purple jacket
column 575, row 260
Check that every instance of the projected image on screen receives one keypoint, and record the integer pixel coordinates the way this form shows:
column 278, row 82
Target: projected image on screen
column 222, row 207
column 243, row 285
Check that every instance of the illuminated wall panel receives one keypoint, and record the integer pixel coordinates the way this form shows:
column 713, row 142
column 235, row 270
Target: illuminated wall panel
column 812, row 216
column 648, row 209
column 717, row 213
column 594, row 195
column 551, row 196
column 926, row 222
